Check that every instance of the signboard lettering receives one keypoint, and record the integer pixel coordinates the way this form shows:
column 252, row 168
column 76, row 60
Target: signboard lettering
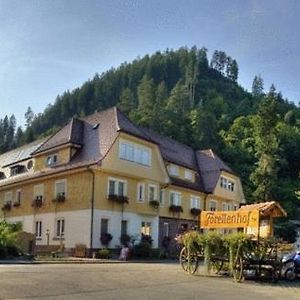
column 229, row 219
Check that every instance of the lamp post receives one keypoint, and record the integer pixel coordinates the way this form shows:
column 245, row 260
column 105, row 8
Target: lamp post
column 47, row 235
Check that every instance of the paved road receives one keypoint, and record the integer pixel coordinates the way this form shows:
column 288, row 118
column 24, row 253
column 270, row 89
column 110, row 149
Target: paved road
column 129, row 281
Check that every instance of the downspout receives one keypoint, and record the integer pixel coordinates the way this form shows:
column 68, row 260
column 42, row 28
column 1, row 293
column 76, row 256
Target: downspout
column 92, row 206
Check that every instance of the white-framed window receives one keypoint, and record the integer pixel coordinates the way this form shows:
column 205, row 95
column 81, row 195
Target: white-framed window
column 188, row 174
column 140, row 192
column 235, row 206
column 117, row 187
column 195, row 202
column 135, row 153
column 18, row 196
column 227, row 184
column 224, row 206
column 8, row 197
column 166, row 229
column 104, row 223
column 146, row 228
column 38, row 191
column 38, row 229
column 124, row 227
column 173, row 170
column 60, row 188
column 175, row 198
column 60, row 227
column 212, row 205
column 161, row 197
column 152, row 192
column 52, row 160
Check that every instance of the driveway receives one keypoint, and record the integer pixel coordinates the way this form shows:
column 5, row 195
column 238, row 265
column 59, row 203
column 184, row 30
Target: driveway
column 129, row 281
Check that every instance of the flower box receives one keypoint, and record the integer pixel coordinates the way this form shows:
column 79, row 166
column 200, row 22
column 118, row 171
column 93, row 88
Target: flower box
column 154, row 204
column 195, row 211
column 176, row 208
column 37, row 202
column 6, row 206
column 118, row 198
column 59, row 198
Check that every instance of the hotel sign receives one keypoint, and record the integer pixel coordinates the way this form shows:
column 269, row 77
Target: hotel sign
column 229, row 219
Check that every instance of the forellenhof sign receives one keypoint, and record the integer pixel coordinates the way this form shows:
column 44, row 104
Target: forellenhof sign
column 229, row 219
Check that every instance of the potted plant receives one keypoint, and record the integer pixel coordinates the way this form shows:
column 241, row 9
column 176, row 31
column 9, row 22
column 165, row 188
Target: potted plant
column 105, row 239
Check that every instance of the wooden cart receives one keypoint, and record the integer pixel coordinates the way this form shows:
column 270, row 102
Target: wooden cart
column 256, row 221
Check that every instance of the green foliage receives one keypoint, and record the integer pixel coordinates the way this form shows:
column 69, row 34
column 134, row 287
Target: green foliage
column 8, row 236
column 142, row 250
column 183, row 95
column 104, row 253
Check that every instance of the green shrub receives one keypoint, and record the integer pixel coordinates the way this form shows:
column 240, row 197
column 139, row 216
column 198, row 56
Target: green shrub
column 142, row 250
column 104, row 253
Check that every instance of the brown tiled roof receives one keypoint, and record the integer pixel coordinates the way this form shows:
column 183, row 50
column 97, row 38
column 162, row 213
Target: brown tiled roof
column 96, row 134
column 210, row 167
column 71, row 133
column 265, row 208
column 173, row 151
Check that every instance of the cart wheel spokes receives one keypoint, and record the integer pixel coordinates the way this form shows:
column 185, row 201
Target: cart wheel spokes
column 216, row 266
column 238, row 270
column 189, row 263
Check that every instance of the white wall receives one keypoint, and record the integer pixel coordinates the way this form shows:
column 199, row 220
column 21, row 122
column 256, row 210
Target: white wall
column 114, row 226
column 77, row 226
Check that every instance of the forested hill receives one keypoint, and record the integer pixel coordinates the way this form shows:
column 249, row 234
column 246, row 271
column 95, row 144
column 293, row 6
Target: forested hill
column 195, row 100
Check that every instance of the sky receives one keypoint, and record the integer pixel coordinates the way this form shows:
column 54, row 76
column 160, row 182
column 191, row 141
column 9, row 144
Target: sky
column 47, row 47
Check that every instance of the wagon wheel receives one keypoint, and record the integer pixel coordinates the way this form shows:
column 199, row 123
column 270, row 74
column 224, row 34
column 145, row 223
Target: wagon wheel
column 238, row 270
column 189, row 263
column 216, row 265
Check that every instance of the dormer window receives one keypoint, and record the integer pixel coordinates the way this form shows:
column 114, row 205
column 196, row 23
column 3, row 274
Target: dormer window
column 188, row 174
column 227, row 184
column 173, row 170
column 2, row 176
column 52, row 160
column 15, row 170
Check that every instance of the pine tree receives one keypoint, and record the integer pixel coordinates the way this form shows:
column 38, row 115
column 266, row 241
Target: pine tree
column 257, row 86
column 266, row 149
